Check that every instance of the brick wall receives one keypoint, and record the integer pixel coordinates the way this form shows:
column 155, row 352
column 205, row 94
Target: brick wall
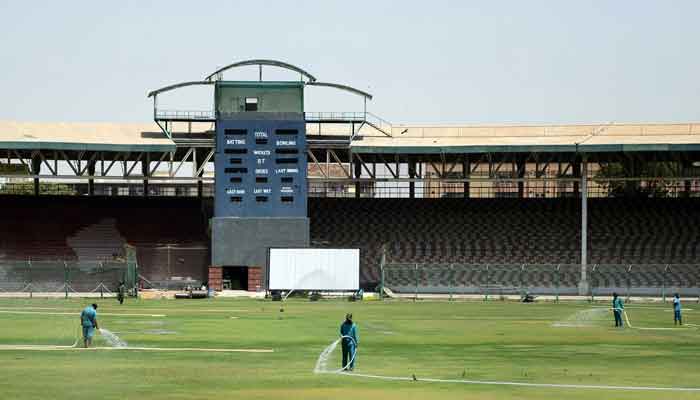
column 216, row 276
column 255, row 276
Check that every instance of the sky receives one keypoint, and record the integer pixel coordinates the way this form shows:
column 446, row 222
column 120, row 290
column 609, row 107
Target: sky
column 425, row 62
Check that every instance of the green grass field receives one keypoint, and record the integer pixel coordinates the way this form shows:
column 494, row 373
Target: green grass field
column 495, row 341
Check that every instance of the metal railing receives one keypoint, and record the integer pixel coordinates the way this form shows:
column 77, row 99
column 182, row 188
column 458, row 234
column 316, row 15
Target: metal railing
column 475, row 187
column 494, row 280
column 205, row 115
column 320, row 116
column 67, row 277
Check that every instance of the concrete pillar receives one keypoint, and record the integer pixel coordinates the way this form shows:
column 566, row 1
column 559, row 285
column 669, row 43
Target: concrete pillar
column 583, row 287
column 145, row 165
column 197, row 163
column 357, row 173
column 91, row 181
column 520, row 166
column 36, row 170
column 412, row 175
column 466, row 172
column 633, row 170
column 686, row 168
column 577, row 174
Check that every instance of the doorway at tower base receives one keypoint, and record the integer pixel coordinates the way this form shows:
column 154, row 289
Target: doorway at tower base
column 245, row 242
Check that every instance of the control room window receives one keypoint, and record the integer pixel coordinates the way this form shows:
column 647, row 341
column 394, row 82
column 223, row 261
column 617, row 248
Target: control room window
column 251, row 104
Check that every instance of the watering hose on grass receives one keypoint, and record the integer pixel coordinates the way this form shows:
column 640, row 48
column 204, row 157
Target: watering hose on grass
column 322, row 362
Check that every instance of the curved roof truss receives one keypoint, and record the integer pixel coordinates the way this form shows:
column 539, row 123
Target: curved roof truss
column 342, row 87
column 177, row 86
column 261, row 62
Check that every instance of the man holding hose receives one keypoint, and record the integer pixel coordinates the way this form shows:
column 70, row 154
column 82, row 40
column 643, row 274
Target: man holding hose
column 677, row 318
column 618, row 308
column 348, row 331
column 88, row 320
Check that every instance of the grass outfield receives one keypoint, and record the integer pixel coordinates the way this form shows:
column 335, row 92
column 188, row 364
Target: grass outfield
column 492, row 341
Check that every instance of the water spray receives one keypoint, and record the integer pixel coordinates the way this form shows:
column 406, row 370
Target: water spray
column 322, row 362
column 112, row 339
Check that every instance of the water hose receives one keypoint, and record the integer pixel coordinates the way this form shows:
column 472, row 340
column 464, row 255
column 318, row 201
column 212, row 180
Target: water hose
column 352, row 359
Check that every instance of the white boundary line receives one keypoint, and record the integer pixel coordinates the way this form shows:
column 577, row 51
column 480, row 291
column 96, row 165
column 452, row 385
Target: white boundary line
column 652, row 328
column 642, row 307
column 176, row 310
column 522, row 384
column 341, row 372
column 58, row 348
column 77, row 314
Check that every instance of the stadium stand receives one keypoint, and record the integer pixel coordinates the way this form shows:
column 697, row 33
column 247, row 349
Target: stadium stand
column 649, row 233
column 87, row 229
column 170, row 235
column 478, row 231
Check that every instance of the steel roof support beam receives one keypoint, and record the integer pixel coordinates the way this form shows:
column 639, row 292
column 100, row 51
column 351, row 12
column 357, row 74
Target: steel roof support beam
column 87, row 164
column 200, row 170
column 160, row 160
column 337, row 160
column 184, row 159
column 135, row 162
column 316, row 163
column 364, row 165
column 43, row 160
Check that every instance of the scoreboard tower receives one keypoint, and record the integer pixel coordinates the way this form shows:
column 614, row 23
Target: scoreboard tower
column 260, row 165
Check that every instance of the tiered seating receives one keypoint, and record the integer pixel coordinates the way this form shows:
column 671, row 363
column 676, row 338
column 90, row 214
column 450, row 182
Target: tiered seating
column 645, row 231
column 479, row 231
column 88, row 229
column 100, row 241
column 659, row 237
column 519, row 231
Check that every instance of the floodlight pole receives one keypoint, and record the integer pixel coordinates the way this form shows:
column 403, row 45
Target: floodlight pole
column 583, row 284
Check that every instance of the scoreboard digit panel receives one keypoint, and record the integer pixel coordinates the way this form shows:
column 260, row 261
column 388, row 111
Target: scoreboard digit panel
column 261, row 168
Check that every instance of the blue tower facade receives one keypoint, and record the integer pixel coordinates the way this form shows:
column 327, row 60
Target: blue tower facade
column 261, row 189
column 260, row 168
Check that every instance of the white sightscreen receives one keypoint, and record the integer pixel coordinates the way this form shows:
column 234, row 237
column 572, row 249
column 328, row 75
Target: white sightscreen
column 314, row 269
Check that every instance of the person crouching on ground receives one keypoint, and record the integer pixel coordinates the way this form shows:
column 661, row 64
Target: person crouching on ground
column 677, row 318
column 88, row 320
column 618, row 308
column 348, row 330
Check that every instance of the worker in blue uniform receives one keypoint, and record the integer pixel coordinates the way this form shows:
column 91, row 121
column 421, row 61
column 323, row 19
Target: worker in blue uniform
column 677, row 318
column 88, row 321
column 618, row 308
column 349, row 342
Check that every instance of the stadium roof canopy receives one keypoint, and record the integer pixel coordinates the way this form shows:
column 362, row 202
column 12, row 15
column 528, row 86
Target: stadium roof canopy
column 83, row 137
column 407, row 139
column 404, row 139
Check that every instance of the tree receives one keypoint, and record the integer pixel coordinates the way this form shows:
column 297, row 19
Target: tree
column 654, row 175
